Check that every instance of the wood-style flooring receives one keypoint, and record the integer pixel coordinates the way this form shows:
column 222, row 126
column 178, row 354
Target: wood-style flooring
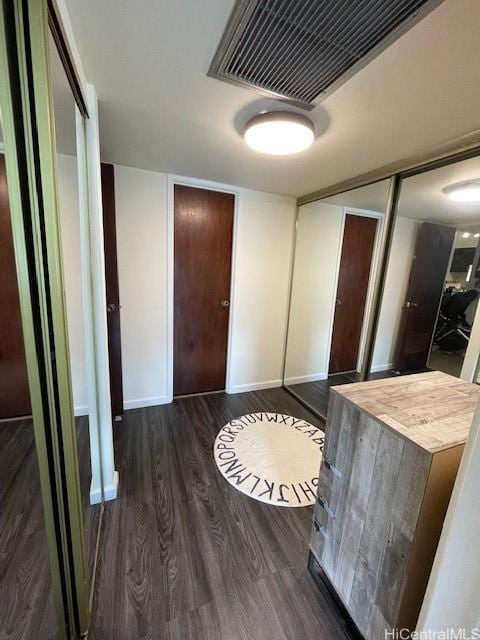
column 185, row 556
column 445, row 361
column 26, row 606
column 316, row 394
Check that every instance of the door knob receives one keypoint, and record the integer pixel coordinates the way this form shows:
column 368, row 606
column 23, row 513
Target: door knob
column 337, row 301
column 111, row 307
column 225, row 303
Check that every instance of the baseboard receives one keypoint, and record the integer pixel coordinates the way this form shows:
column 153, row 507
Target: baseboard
column 314, row 377
column 81, row 411
column 146, row 402
column 376, row 368
column 110, row 491
column 255, row 386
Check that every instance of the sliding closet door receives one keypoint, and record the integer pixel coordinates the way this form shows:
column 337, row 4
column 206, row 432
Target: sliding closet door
column 432, row 287
column 67, row 190
column 335, row 267
column 26, row 596
column 43, row 199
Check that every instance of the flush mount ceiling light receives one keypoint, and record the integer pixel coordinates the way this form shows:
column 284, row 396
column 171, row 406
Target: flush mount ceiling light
column 464, row 191
column 279, row 133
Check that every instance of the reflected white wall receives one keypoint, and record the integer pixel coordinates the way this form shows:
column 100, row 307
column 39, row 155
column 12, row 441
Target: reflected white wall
column 318, row 247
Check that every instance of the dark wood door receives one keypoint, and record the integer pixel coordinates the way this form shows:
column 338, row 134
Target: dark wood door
column 112, row 291
column 14, row 393
column 203, row 229
column 353, row 277
column 424, row 293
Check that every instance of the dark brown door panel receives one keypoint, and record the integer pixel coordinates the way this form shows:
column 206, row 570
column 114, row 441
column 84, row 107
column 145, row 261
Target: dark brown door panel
column 14, row 392
column 425, row 287
column 203, row 229
column 353, row 277
column 112, row 289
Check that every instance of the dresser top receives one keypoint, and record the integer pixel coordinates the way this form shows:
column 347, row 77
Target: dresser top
column 432, row 409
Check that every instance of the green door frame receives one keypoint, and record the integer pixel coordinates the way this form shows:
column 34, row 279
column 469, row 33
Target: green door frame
column 30, row 155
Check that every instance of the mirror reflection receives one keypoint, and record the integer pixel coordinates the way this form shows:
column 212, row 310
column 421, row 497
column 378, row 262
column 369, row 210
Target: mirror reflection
column 436, row 249
column 428, row 313
column 336, row 261
column 68, row 197
column 26, row 603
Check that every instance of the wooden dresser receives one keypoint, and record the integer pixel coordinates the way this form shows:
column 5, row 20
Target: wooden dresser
column 391, row 455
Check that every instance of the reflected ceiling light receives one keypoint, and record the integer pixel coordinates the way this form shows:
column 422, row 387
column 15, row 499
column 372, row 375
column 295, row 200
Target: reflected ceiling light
column 279, row 133
column 464, row 191
column 465, row 235
column 476, row 235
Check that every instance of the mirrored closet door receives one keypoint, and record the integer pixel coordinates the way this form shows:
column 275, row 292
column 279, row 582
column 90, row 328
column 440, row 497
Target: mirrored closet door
column 48, row 527
column 337, row 250
column 67, row 173
column 26, row 599
column 428, row 317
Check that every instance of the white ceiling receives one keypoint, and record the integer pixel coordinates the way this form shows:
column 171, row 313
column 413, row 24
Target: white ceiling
column 148, row 60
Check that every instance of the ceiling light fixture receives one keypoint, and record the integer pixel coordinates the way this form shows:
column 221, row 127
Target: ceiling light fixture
column 279, row 133
column 465, row 235
column 476, row 235
column 464, row 191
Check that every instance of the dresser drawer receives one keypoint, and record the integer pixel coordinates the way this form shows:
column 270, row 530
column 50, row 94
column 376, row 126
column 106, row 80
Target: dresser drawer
column 319, row 536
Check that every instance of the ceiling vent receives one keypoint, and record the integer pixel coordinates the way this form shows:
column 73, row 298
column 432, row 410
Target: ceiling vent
column 299, row 50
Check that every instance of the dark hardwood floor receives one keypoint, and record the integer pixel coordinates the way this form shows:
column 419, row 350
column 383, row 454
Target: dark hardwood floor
column 26, row 605
column 316, row 394
column 184, row 556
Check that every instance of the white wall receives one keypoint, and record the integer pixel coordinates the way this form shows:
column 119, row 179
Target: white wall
column 451, row 600
column 264, row 236
column 70, row 234
column 264, row 245
column 396, row 283
column 317, row 254
column 141, row 217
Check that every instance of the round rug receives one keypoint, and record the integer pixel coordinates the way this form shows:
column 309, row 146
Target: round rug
column 271, row 457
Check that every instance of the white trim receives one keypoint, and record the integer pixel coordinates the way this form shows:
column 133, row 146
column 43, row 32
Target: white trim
column 100, row 404
column 291, row 275
column 110, row 491
column 84, row 196
column 364, row 213
column 334, row 294
column 313, row 377
column 146, row 402
column 381, row 367
column 72, row 43
column 172, row 180
column 81, row 410
column 256, row 386
column 371, row 279
column 471, row 360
